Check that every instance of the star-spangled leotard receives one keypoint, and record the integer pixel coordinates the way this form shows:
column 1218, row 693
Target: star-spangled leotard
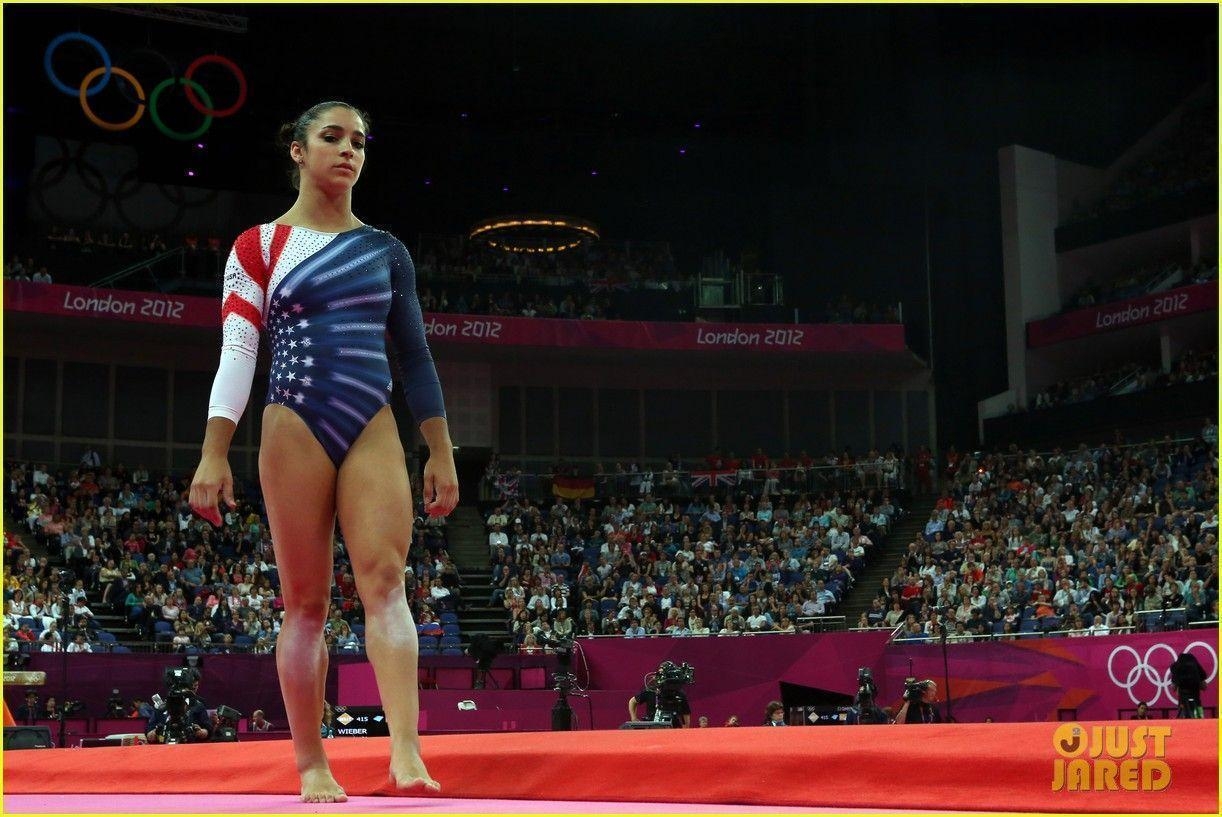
column 326, row 302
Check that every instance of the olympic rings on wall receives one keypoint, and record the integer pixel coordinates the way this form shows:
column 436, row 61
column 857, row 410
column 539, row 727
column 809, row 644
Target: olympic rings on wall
column 195, row 95
column 92, row 117
column 161, row 126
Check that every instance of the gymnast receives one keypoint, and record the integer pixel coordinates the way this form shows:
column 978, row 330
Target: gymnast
column 326, row 289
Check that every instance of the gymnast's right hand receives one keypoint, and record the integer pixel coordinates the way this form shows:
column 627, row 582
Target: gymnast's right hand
column 213, row 481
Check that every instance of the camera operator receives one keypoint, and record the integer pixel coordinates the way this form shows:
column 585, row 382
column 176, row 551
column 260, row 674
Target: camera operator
column 918, row 703
column 664, row 698
column 1189, row 678
column 864, row 701
column 183, row 715
column 114, row 705
column 31, row 710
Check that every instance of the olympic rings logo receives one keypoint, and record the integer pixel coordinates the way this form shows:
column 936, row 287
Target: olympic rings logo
column 195, row 94
column 1143, row 674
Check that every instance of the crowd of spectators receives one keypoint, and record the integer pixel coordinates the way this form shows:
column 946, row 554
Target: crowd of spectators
column 1133, row 283
column 606, row 264
column 848, row 310
column 1192, row 367
column 655, row 561
column 1088, row 541
column 757, row 473
column 27, row 270
column 81, row 256
column 1184, row 161
column 123, row 546
column 606, row 280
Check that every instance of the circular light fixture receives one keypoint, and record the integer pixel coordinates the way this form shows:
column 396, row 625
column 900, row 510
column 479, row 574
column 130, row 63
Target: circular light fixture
column 535, row 233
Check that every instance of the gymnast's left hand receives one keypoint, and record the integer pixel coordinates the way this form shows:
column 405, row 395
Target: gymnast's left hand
column 440, row 486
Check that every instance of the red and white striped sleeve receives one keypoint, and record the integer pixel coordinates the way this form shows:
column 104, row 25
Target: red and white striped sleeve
column 242, row 301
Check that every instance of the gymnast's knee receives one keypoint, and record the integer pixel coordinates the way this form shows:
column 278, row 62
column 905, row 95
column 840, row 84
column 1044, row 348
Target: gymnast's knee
column 380, row 586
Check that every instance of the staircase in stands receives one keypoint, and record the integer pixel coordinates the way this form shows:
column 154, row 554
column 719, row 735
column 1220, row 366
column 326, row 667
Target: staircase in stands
column 468, row 544
column 884, row 563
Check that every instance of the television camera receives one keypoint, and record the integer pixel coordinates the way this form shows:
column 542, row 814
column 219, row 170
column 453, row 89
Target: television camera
column 914, row 690
column 180, row 698
column 667, row 683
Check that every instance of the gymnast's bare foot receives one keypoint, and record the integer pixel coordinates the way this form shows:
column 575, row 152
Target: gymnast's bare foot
column 320, row 786
column 408, row 773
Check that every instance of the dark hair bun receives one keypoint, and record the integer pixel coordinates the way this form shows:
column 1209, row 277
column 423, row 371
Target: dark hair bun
column 285, row 137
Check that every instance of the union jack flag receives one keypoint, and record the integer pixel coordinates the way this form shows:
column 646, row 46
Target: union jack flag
column 704, row 479
column 608, row 285
column 507, row 485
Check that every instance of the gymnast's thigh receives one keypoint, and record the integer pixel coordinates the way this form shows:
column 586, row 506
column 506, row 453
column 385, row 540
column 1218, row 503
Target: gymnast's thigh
column 373, row 496
column 298, row 482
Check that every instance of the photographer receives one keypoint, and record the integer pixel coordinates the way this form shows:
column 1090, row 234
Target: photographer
column 918, row 703
column 1189, row 678
column 183, row 718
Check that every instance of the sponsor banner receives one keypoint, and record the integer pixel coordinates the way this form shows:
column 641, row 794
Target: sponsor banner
column 112, row 304
column 186, row 310
column 1173, row 303
column 666, row 336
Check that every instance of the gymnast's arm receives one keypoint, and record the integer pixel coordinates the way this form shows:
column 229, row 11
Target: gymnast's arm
column 421, row 386
column 241, row 317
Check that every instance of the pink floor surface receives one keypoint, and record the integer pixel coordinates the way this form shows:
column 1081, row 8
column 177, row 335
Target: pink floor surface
column 279, row 804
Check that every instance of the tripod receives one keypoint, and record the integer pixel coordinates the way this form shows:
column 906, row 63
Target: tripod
column 562, row 713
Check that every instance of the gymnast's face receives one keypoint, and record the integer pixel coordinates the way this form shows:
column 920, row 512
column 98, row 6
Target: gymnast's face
column 334, row 152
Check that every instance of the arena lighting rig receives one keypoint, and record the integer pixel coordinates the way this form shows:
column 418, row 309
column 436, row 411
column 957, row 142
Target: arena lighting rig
column 534, row 233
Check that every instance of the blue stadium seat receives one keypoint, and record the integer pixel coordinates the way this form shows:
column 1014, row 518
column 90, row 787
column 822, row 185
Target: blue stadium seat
column 163, row 627
column 452, row 651
column 359, row 629
column 1028, row 626
column 429, row 641
column 449, row 642
column 243, row 640
column 119, row 648
column 428, row 651
column 451, row 629
column 105, row 637
column 448, row 618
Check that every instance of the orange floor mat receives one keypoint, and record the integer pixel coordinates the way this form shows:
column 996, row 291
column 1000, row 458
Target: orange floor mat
column 1010, row 767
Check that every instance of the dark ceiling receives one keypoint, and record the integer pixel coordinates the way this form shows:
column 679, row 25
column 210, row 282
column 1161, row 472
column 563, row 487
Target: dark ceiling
column 816, row 137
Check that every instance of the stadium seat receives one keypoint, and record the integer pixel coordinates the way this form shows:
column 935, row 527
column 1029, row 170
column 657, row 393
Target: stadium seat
column 429, row 641
column 452, row 651
column 448, row 618
column 428, row 651
column 449, row 642
column 451, row 629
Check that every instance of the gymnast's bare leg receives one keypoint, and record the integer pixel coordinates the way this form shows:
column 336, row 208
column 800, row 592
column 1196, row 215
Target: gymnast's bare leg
column 374, row 503
column 298, row 481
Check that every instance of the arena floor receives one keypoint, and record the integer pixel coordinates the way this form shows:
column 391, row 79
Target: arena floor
column 960, row 767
